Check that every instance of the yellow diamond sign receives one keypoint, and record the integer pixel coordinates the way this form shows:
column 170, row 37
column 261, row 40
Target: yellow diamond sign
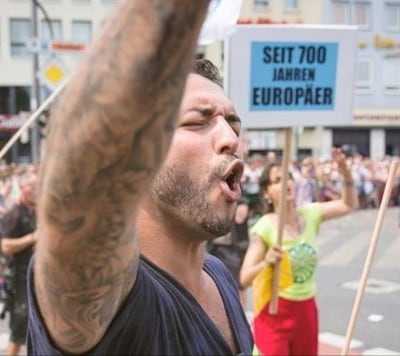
column 52, row 73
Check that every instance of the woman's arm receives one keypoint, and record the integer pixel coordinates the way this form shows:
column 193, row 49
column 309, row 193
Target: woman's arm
column 349, row 198
column 257, row 257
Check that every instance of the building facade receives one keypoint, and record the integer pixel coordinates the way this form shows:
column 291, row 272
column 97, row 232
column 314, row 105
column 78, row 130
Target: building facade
column 375, row 131
column 57, row 20
column 376, row 126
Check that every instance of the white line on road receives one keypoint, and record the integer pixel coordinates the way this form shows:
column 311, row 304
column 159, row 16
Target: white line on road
column 348, row 250
column 326, row 238
column 379, row 351
column 337, row 340
column 374, row 286
column 390, row 259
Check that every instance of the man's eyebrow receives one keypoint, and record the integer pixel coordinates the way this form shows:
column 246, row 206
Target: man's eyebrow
column 233, row 118
column 208, row 111
column 203, row 110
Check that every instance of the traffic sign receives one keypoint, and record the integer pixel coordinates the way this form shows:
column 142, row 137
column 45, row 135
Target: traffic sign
column 52, row 73
column 58, row 46
column 36, row 45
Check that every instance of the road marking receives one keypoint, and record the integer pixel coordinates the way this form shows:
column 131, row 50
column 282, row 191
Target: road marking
column 324, row 239
column 374, row 286
column 390, row 259
column 337, row 340
column 375, row 318
column 347, row 251
column 379, row 351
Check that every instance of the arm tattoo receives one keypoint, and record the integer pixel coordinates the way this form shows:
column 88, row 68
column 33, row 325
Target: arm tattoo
column 109, row 132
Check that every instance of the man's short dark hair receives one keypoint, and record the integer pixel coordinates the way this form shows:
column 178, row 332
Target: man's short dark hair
column 207, row 69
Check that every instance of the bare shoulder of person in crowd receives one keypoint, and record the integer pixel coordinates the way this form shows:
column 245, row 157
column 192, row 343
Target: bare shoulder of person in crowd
column 110, row 130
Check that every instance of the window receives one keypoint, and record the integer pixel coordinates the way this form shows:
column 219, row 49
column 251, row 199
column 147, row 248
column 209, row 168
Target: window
column 48, row 27
column 81, row 31
column 14, row 99
column 361, row 15
column 352, row 13
column 364, row 78
column 260, row 5
column 4, row 101
column 341, row 12
column 391, row 75
column 22, row 99
column 20, row 32
column 392, row 17
column 352, row 140
column 291, row 5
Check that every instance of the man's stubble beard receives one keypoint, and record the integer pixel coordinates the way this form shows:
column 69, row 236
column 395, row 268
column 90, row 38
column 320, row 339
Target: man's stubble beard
column 186, row 199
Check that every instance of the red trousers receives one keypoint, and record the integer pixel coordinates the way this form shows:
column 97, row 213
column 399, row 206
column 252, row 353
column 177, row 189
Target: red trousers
column 292, row 331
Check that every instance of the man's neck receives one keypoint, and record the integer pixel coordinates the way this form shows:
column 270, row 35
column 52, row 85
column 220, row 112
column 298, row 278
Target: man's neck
column 171, row 248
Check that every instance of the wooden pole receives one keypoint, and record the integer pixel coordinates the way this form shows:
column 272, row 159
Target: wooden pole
column 31, row 119
column 273, row 305
column 371, row 251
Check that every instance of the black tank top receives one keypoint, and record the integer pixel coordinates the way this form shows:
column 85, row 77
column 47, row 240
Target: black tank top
column 160, row 317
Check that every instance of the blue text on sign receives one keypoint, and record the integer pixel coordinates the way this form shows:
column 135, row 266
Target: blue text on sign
column 293, row 76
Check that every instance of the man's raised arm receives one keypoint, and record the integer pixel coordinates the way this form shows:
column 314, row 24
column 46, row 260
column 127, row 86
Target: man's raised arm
column 109, row 133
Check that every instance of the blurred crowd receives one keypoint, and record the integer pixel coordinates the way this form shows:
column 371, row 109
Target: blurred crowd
column 316, row 180
column 319, row 180
column 9, row 182
column 18, row 188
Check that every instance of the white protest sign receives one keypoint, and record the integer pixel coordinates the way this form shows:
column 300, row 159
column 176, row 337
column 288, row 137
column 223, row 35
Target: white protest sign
column 292, row 75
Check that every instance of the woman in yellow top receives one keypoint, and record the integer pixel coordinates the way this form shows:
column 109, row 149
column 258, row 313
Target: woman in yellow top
column 294, row 329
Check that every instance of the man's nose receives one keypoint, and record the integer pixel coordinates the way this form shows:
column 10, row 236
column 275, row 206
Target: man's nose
column 225, row 139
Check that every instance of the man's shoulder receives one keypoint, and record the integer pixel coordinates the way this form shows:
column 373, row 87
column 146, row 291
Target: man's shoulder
column 211, row 261
column 214, row 266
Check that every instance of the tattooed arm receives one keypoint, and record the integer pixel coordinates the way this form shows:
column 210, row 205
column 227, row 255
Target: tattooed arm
column 109, row 133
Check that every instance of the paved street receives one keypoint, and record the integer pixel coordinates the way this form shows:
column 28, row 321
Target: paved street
column 343, row 247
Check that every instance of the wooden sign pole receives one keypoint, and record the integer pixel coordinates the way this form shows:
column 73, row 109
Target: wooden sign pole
column 31, row 119
column 273, row 305
column 371, row 251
